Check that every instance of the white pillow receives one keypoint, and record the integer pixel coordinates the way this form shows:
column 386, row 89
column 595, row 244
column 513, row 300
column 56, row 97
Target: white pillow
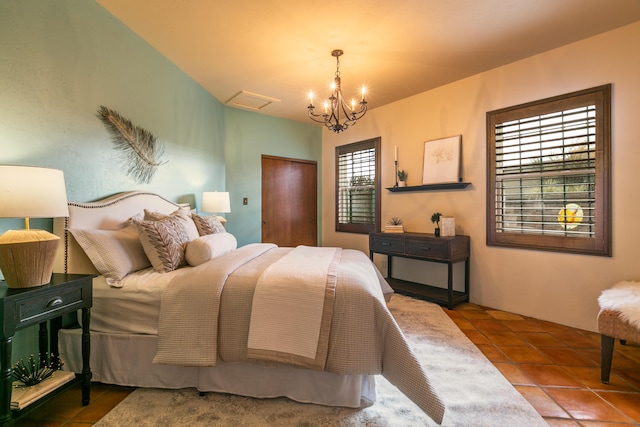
column 209, row 246
column 114, row 253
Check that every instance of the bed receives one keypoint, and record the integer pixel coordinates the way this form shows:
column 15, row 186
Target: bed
column 206, row 323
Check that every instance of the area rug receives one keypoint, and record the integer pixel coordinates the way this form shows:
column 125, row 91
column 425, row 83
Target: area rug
column 475, row 392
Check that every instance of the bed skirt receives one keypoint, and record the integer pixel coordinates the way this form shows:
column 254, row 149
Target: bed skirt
column 129, row 364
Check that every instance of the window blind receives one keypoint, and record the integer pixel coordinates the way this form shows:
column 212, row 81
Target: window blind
column 545, row 174
column 358, row 187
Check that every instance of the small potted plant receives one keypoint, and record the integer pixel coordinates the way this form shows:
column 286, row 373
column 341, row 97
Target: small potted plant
column 402, row 178
column 394, row 226
column 435, row 218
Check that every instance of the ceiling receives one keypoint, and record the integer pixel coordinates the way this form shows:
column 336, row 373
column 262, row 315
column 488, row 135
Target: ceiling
column 281, row 49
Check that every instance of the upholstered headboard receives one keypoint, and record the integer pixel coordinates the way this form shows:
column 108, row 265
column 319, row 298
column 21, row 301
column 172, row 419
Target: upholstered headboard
column 105, row 214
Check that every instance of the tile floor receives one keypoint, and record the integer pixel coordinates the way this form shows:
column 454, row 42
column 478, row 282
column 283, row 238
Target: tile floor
column 556, row 368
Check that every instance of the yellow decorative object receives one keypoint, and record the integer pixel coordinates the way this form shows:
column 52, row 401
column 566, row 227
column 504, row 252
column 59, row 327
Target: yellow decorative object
column 570, row 216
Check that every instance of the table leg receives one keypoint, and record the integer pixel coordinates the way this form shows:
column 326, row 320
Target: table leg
column 86, row 356
column 450, row 286
column 466, row 277
column 43, row 345
column 5, row 380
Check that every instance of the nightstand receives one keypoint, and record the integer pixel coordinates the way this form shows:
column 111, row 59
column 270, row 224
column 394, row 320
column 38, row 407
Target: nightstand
column 23, row 307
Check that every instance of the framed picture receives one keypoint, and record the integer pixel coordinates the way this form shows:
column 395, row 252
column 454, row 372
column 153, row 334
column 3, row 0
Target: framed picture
column 442, row 161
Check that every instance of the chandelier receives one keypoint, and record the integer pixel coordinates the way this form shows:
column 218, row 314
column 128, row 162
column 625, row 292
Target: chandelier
column 337, row 115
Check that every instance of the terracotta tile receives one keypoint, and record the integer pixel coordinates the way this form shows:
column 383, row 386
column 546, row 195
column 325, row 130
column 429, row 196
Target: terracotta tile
column 542, row 402
column 627, row 403
column 590, row 377
column 630, row 376
column 606, row 424
column 554, row 328
column 513, row 373
column 475, row 314
column 469, row 306
column 593, row 354
column 452, row 313
column 504, row 338
column 463, row 323
column 492, row 353
column 577, row 340
column 567, row 356
column 541, row 339
column 476, row 337
column 523, row 326
column 622, row 361
column 503, row 315
column 550, row 376
column 524, row 354
column 586, row 405
column 486, row 325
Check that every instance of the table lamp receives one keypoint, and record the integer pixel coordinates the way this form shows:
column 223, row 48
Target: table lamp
column 27, row 256
column 216, row 202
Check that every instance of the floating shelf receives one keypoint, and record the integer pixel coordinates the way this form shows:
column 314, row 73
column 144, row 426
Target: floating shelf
column 431, row 187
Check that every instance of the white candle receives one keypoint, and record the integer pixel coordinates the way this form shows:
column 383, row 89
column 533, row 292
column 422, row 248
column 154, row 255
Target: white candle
column 396, row 154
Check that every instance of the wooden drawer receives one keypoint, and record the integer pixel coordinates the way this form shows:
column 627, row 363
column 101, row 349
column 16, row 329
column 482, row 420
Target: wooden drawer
column 385, row 244
column 428, row 248
column 31, row 310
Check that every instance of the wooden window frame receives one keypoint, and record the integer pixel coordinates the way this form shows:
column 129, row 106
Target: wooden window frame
column 600, row 244
column 352, row 148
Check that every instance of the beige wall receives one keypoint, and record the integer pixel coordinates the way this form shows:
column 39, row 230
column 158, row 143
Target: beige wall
column 562, row 288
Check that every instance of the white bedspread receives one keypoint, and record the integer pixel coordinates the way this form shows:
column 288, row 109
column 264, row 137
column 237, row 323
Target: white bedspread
column 292, row 308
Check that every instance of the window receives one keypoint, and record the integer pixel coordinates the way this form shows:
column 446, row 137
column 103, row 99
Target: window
column 548, row 174
column 358, row 187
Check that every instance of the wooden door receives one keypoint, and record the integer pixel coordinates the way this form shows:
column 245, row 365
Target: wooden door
column 289, row 201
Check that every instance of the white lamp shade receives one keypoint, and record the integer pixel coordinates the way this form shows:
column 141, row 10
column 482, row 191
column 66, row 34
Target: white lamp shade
column 32, row 192
column 216, row 202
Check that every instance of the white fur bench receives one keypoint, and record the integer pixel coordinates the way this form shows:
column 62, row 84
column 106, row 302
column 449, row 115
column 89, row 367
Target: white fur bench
column 619, row 318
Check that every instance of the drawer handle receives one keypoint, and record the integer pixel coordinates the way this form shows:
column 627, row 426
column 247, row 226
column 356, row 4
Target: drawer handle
column 425, row 248
column 386, row 244
column 54, row 302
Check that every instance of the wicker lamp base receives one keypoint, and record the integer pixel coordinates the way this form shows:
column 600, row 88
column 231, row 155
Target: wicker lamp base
column 27, row 257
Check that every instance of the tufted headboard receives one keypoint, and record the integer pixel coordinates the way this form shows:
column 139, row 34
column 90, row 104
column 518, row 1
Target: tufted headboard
column 105, row 214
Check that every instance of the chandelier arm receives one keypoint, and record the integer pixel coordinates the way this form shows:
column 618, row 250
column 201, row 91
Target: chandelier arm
column 337, row 105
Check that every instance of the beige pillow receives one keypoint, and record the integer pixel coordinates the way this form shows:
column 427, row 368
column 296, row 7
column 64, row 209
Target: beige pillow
column 183, row 215
column 208, row 247
column 114, row 253
column 164, row 241
column 207, row 224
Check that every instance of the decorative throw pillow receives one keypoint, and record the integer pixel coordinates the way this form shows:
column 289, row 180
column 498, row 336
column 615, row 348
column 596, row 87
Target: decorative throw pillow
column 114, row 253
column 207, row 224
column 164, row 241
column 209, row 246
column 183, row 215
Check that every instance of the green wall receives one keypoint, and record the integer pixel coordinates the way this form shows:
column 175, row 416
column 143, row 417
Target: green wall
column 60, row 60
column 249, row 136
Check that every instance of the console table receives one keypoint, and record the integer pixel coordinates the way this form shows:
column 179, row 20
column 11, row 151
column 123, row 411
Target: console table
column 425, row 247
column 23, row 307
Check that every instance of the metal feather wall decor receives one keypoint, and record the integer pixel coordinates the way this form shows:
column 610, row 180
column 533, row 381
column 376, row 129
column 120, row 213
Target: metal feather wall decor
column 140, row 150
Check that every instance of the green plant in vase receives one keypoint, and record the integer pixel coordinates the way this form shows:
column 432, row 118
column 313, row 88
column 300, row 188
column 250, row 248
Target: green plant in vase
column 435, row 218
column 402, row 178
